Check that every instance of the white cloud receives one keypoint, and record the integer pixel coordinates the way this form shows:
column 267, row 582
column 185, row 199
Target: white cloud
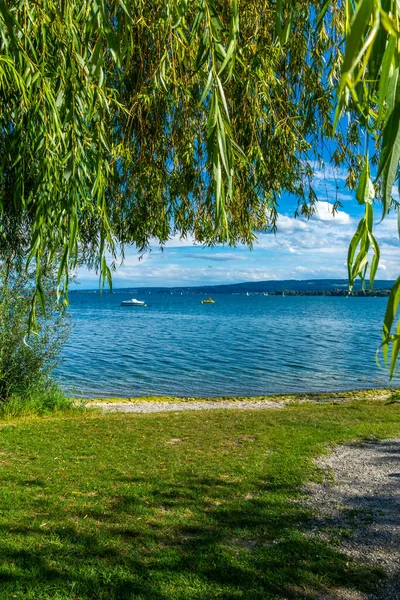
column 324, row 213
column 217, row 256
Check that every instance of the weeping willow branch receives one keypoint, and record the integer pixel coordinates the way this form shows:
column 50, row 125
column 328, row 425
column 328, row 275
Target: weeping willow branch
column 126, row 121
column 370, row 85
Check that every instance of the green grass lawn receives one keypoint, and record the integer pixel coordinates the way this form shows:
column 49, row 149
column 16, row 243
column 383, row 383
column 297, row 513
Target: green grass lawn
column 195, row 505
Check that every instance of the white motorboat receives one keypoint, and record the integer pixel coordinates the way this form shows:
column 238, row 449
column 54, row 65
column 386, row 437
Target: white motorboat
column 133, row 302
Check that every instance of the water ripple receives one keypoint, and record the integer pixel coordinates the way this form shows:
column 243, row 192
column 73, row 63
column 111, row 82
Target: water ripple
column 239, row 346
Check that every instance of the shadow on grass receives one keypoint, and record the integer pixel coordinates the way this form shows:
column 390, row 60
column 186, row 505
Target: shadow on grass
column 201, row 539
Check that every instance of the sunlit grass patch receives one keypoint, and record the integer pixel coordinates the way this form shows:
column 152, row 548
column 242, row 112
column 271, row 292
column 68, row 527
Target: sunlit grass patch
column 173, row 506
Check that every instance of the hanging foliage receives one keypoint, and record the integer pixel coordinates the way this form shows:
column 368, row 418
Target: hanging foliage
column 370, row 87
column 126, row 121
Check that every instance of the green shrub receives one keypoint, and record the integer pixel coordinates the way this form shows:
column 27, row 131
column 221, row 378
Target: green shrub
column 27, row 360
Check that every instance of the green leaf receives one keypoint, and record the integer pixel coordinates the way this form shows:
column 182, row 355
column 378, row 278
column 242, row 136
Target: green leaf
column 124, row 8
column 41, row 296
column 9, row 20
column 391, row 93
column 390, row 134
column 222, row 146
column 395, row 350
column 385, row 74
column 95, row 58
column 222, row 96
column 218, row 185
column 392, row 157
column 391, row 310
column 229, row 54
column 369, row 217
column 365, row 190
column 207, row 87
column 349, row 12
column 398, row 222
column 378, row 52
column 375, row 260
column 284, row 36
column 322, row 14
column 278, row 17
column 354, row 41
column 352, row 250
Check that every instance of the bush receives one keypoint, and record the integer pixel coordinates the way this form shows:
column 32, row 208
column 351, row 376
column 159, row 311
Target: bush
column 28, row 360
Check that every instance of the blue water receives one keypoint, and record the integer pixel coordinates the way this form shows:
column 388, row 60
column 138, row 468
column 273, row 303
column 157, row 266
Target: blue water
column 241, row 345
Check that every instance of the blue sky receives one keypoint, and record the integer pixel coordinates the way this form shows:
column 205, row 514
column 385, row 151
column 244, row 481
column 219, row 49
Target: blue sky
column 301, row 249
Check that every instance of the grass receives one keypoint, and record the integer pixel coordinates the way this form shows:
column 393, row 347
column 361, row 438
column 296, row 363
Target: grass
column 41, row 399
column 195, row 505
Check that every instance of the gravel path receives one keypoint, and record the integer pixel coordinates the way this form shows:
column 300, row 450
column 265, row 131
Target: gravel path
column 151, row 407
column 364, row 496
column 260, row 403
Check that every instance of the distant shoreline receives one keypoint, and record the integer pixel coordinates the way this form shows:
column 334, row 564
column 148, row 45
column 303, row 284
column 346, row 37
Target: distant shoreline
column 379, row 293
column 289, row 287
column 343, row 293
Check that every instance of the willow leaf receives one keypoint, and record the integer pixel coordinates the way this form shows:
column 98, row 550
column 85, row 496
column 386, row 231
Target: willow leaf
column 349, row 13
column 222, row 96
column 390, row 172
column 390, row 134
column 391, row 93
column 278, row 17
column 398, row 222
column 395, row 351
column 390, row 314
column 284, row 36
column 125, row 9
column 207, row 87
column 375, row 260
column 322, row 14
column 229, row 54
column 218, row 186
column 369, row 216
column 365, row 192
column 385, row 74
column 9, row 19
column 222, row 144
column 352, row 250
column 354, row 42
column 41, row 296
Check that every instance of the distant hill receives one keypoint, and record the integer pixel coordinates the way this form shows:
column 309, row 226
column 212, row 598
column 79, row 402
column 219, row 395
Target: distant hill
column 294, row 286
column 289, row 285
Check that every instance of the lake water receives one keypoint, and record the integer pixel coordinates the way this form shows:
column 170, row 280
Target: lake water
column 241, row 345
